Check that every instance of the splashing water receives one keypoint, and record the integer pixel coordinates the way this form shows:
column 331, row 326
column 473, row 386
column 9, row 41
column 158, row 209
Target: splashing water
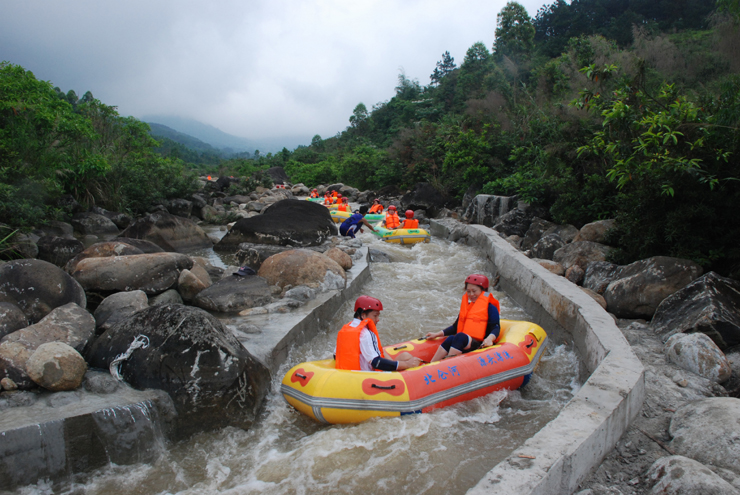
column 446, row 451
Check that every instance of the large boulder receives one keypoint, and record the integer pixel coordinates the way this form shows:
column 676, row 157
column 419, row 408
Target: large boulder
column 119, row 306
column 189, row 284
column 545, row 248
column 56, row 367
column 213, row 380
column 342, row 258
column 595, row 231
column 536, row 230
column 253, row 255
column 581, row 254
column 180, row 207
column 93, row 223
column 707, row 430
column 58, row 250
column 679, row 475
column 69, row 324
column 37, row 287
column 120, row 219
column 234, row 293
column 146, row 247
column 102, row 250
column 599, row 274
column 642, row 285
column 11, row 319
column 699, row 354
column 285, row 223
column 299, row 267
column 424, row 196
column 169, row 232
column 152, row 273
column 485, row 209
column 278, row 175
column 709, row 304
column 515, row 222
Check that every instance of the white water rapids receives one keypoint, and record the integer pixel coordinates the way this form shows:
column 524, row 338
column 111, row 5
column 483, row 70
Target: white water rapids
column 444, row 452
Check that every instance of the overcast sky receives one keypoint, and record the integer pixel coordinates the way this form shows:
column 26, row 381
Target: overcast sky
column 252, row 68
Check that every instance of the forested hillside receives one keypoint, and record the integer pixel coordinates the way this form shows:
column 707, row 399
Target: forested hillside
column 592, row 109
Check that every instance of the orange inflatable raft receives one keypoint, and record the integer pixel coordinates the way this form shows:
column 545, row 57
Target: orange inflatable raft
column 320, row 391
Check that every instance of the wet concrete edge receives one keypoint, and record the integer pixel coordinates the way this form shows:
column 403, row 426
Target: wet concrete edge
column 558, row 457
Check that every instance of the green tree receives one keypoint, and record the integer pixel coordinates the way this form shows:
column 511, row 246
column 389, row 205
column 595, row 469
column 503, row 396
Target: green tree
column 444, row 67
column 514, row 32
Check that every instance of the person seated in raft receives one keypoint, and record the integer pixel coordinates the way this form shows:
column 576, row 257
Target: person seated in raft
column 392, row 221
column 358, row 343
column 350, row 226
column 344, row 205
column 410, row 222
column 477, row 324
column 376, row 207
column 327, row 199
column 315, row 193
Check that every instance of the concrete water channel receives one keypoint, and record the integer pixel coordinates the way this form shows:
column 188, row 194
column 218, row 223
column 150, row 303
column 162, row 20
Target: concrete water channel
column 552, row 460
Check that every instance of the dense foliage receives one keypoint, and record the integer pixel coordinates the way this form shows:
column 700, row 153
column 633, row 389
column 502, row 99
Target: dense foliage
column 52, row 145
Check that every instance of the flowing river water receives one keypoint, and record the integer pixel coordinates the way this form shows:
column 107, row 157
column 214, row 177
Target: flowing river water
column 444, row 452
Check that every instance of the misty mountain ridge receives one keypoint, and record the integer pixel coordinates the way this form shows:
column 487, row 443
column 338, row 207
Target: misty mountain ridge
column 218, row 139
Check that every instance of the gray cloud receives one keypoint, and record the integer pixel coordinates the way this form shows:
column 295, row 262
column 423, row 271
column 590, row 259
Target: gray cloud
column 256, row 69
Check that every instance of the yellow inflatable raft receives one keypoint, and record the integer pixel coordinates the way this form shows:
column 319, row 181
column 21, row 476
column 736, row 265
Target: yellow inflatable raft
column 401, row 236
column 328, row 395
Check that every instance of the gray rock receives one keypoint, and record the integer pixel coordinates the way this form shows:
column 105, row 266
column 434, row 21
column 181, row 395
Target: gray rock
column 342, row 258
column 535, row 232
column 566, row 232
column 212, row 379
column 545, row 248
column 709, row 304
column 581, row 254
column 299, row 267
column 707, row 430
column 170, row 296
column 253, row 255
column 599, row 274
column 642, row 285
column 574, row 274
column 119, row 306
column 377, row 256
column 678, row 475
column 697, row 353
column 595, row 231
column 153, row 273
column 11, row 319
column 170, row 232
column 56, row 367
column 100, row 382
column 233, row 294
column 301, row 293
column 515, row 222
column 551, row 266
column 485, row 209
column 58, row 250
column 103, row 250
column 93, row 223
column 37, row 287
column 180, row 207
column 189, row 285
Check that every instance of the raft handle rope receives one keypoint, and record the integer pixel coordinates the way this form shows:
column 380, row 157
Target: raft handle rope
column 400, row 347
column 141, row 341
column 300, row 376
column 374, row 385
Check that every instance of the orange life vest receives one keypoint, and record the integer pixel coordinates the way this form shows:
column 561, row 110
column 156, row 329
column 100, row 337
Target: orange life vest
column 392, row 221
column 314, row 195
column 376, row 208
column 327, row 200
column 474, row 317
column 334, row 194
column 348, row 345
column 342, row 207
column 410, row 223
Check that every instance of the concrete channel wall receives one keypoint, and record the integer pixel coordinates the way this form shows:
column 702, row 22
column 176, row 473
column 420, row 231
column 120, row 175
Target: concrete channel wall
column 557, row 458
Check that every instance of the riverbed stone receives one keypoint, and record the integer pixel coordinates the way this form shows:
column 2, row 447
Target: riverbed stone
column 707, row 430
column 285, row 223
column 581, row 254
column 595, row 231
column 697, row 353
column 551, row 266
column 37, row 287
column 574, row 274
column 93, row 223
column 599, row 274
column 566, row 232
column 679, row 475
column 170, row 296
column 234, row 293
column 516, row 221
column 145, row 246
column 119, row 306
column 153, row 273
column 535, row 232
column 58, row 250
column 11, row 319
column 545, row 247
column 709, row 304
column 212, row 379
column 342, row 258
column 299, row 267
column 189, row 285
column 642, row 285
column 170, row 232
column 253, row 255
column 56, row 366
column 103, row 250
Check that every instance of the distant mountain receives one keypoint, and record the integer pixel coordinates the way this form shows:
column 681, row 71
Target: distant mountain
column 221, row 140
column 162, row 131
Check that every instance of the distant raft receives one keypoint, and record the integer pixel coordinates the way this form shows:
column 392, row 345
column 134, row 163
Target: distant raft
column 402, row 236
column 320, row 391
column 341, row 216
column 315, row 200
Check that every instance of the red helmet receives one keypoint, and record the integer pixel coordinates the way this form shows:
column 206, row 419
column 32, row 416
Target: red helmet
column 476, row 279
column 315, row 190
column 392, row 207
column 367, row 303
column 409, row 214
column 376, row 200
column 339, row 195
column 345, row 200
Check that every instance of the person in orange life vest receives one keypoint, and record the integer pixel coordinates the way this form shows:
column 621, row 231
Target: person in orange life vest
column 410, row 222
column 477, row 324
column 358, row 343
column 327, row 199
column 343, row 206
column 392, row 221
column 314, row 193
column 376, row 207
